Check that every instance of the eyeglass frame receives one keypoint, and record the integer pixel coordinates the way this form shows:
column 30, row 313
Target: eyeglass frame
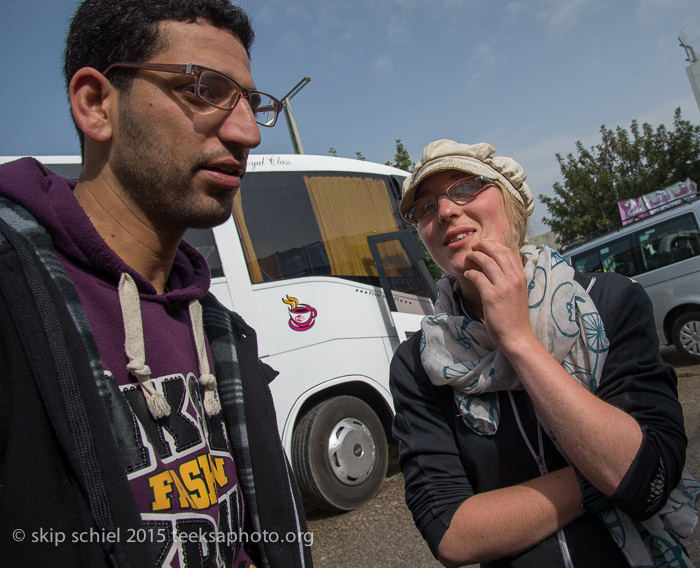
column 196, row 71
column 485, row 183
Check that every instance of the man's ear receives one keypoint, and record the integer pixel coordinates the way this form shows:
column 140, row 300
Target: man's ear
column 93, row 102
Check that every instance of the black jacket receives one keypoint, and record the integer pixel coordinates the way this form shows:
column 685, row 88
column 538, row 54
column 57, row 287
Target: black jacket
column 445, row 463
column 61, row 477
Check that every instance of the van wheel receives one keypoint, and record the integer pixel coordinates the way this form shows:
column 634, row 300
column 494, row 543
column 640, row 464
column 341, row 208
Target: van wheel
column 686, row 335
column 340, row 454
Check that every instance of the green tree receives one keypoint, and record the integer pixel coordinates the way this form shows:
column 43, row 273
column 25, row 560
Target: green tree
column 401, row 159
column 333, row 152
column 623, row 165
column 359, row 156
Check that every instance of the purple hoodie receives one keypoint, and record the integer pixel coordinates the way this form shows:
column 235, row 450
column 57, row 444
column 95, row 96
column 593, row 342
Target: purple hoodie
column 179, row 465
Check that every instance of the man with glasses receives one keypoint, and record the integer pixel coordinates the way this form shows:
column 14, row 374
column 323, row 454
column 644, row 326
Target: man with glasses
column 136, row 424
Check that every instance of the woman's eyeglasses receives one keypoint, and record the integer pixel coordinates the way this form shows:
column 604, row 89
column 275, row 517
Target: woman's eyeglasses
column 460, row 192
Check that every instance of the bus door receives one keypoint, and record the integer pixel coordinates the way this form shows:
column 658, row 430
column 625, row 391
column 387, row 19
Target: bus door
column 408, row 287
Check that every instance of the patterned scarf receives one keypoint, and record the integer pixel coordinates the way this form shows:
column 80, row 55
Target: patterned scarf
column 456, row 350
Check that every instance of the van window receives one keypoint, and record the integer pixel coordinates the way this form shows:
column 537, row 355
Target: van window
column 295, row 224
column 672, row 241
column 654, row 247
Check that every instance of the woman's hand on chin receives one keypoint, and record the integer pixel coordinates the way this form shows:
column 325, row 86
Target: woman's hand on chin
column 502, row 286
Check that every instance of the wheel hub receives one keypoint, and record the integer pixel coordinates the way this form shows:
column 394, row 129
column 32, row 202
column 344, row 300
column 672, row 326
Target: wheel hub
column 351, row 451
column 690, row 337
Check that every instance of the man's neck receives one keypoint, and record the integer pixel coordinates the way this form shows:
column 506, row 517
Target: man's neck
column 128, row 232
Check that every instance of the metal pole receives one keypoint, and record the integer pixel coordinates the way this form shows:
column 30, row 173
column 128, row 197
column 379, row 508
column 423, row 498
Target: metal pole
column 291, row 123
column 689, row 37
column 292, row 126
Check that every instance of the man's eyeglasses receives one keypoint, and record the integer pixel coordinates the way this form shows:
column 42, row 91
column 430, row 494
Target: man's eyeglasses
column 460, row 192
column 215, row 89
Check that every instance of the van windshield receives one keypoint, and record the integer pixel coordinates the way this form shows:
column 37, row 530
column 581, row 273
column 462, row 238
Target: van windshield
column 295, row 224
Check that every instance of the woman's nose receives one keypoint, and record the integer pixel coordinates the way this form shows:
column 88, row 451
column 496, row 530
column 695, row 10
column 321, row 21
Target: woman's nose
column 445, row 206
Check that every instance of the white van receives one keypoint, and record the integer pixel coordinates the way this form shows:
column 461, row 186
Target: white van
column 317, row 259
column 662, row 253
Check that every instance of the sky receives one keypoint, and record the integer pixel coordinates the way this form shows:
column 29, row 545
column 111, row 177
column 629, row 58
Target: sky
column 531, row 77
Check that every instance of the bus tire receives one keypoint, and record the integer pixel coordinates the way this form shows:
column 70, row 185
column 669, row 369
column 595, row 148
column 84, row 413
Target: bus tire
column 686, row 335
column 339, row 454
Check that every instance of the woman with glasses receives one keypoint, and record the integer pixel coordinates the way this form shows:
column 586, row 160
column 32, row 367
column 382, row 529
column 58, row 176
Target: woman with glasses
column 537, row 423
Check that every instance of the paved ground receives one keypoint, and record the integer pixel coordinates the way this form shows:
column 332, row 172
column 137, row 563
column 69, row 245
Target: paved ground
column 689, row 394
column 382, row 533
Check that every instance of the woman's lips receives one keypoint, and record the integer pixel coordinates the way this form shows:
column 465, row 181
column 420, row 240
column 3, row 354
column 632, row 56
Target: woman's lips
column 456, row 236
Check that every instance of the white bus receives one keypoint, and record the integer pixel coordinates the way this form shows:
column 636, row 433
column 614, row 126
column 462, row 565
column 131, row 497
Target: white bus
column 317, row 259
column 662, row 253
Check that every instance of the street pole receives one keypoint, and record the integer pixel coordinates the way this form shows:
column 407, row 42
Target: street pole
column 689, row 37
column 289, row 116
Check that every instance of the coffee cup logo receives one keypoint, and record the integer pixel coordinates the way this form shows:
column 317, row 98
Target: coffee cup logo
column 301, row 316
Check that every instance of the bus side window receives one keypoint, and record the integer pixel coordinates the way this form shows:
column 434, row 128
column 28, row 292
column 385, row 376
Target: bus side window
column 203, row 241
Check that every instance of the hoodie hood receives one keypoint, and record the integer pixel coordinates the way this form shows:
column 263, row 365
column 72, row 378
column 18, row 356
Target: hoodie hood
column 152, row 323
column 49, row 197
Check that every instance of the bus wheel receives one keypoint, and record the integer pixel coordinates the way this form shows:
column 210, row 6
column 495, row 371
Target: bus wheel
column 340, row 454
column 686, row 335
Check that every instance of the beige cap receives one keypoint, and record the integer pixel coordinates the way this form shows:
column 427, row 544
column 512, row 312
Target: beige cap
column 476, row 159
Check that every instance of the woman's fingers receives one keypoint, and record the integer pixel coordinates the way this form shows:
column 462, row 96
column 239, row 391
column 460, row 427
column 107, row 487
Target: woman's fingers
column 502, row 285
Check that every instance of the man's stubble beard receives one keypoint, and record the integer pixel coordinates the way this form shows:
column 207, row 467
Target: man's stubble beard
column 152, row 180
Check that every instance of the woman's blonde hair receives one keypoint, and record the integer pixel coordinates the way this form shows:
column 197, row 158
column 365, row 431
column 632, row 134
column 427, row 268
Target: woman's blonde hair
column 517, row 217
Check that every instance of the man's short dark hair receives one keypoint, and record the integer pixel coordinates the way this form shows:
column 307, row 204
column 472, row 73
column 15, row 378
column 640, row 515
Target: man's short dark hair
column 103, row 32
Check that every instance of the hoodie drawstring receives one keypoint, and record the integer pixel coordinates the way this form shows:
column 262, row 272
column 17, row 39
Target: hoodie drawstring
column 206, row 379
column 136, row 351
